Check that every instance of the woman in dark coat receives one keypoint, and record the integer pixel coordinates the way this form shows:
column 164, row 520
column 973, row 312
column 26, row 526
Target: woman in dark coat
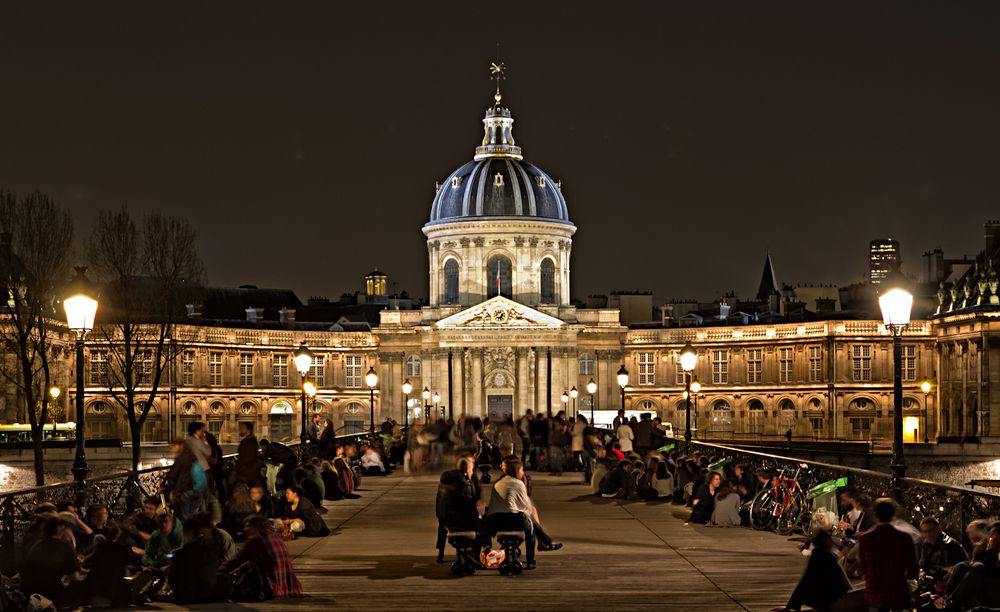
column 703, row 502
column 824, row 581
column 327, row 441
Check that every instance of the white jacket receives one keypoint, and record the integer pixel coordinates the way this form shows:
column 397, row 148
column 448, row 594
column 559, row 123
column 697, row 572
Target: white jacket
column 625, row 437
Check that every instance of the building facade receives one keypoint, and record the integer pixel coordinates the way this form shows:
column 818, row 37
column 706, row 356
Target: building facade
column 500, row 336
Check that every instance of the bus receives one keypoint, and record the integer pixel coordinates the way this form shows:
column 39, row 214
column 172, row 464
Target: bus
column 21, row 432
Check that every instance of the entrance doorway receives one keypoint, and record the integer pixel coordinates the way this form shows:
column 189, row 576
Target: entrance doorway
column 500, row 407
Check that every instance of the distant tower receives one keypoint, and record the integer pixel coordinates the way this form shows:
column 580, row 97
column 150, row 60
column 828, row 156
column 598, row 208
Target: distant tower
column 883, row 259
column 375, row 285
column 767, row 291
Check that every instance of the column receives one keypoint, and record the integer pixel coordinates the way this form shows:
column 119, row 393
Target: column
column 522, row 395
column 477, row 383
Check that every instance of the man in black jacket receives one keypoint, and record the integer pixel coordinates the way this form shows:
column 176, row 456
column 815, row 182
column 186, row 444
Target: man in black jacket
column 281, row 455
column 458, row 505
column 247, row 456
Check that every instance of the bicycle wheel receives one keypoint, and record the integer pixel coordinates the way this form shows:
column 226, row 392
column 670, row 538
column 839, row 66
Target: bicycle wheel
column 762, row 510
column 792, row 515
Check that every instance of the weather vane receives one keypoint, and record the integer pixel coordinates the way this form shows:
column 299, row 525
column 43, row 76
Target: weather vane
column 498, row 71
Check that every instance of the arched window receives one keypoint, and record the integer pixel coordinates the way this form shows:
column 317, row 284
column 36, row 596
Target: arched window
column 586, row 364
column 722, row 417
column 498, row 276
column 451, row 282
column 547, row 282
column 354, row 418
column 755, row 418
column 413, row 365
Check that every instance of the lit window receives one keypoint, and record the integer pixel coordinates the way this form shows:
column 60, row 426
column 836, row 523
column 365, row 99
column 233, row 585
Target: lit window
column 99, row 368
column 720, row 367
column 815, row 363
column 861, row 362
column 784, row 365
column 647, row 368
column 187, row 368
column 352, row 370
column 413, row 366
column 246, row 369
column 909, row 362
column 679, row 374
column 317, row 371
column 279, row 371
column 586, row 364
column 215, row 368
column 755, row 365
column 144, row 367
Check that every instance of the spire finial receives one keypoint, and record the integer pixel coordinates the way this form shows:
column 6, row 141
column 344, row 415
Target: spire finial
column 498, row 72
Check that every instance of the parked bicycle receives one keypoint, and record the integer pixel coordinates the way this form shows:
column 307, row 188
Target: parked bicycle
column 783, row 506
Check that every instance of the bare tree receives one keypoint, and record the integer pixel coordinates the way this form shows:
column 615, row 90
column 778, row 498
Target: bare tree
column 36, row 237
column 151, row 269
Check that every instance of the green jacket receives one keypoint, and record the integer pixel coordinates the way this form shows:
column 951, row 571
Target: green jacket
column 159, row 545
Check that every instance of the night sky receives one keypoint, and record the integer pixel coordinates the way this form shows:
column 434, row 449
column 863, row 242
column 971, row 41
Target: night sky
column 304, row 139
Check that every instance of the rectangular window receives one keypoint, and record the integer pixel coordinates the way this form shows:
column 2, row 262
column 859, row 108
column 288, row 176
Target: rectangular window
column 755, row 365
column 187, row 368
column 817, row 426
column 647, row 368
column 279, row 370
column 246, row 369
column 909, row 362
column 815, row 363
column 352, row 370
column 861, row 428
column 215, row 428
column 679, row 373
column 215, row 368
column 784, row 365
column 720, row 367
column 99, row 368
column 144, row 367
column 861, row 362
column 317, row 371
column 586, row 364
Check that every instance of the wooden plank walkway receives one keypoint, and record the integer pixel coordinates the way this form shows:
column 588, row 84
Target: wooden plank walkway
column 621, row 555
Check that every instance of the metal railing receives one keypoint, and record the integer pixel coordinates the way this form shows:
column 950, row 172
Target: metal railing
column 954, row 506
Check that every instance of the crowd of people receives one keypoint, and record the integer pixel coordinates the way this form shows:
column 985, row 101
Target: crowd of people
column 216, row 531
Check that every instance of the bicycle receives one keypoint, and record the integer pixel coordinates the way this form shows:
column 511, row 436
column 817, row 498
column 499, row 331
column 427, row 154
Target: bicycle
column 783, row 506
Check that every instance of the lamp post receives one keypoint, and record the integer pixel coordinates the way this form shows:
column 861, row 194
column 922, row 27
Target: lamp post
column 303, row 361
column 695, row 390
column 310, row 390
column 565, row 399
column 81, row 309
column 54, row 392
column 689, row 359
column 573, row 393
column 896, row 305
column 926, row 388
column 427, row 396
column 623, row 382
column 437, row 400
column 407, row 389
column 371, row 379
column 592, row 389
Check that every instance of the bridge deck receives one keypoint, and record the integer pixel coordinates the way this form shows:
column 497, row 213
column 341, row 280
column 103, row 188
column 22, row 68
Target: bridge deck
column 626, row 555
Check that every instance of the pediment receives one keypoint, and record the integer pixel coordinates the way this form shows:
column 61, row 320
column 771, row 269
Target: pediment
column 499, row 313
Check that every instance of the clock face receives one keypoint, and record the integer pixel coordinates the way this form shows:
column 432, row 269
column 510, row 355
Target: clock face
column 500, row 315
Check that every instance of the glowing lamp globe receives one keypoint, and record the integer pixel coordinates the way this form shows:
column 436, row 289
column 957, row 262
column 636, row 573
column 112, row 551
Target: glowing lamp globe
column 896, row 305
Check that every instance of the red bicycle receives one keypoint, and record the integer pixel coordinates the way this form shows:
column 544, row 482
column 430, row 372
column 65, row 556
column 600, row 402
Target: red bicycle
column 782, row 506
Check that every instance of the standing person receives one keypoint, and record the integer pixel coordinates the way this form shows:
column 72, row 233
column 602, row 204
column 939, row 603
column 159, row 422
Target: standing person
column 312, row 430
column 625, row 436
column 558, row 441
column 247, row 456
column 539, row 440
column 578, row 447
column 619, row 419
column 185, row 481
column 327, row 441
column 824, row 581
column 888, row 561
column 524, row 431
column 643, row 435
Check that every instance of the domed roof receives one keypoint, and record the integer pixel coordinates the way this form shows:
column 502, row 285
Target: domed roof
column 498, row 182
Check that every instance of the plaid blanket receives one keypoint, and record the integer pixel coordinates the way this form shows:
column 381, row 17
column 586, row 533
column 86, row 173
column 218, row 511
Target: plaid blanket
column 281, row 576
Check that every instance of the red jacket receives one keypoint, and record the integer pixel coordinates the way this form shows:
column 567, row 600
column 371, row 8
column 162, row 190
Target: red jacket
column 888, row 558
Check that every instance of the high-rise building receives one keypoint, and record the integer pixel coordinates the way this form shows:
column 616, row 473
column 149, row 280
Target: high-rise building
column 883, row 259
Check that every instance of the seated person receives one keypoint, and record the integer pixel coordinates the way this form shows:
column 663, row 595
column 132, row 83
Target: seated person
column 282, row 456
column 194, row 568
column 980, row 585
column 51, row 559
column 266, row 551
column 703, row 502
column 331, row 483
column 618, row 483
column 457, row 508
column 643, row 484
column 225, row 547
column 238, row 508
column 262, row 502
column 105, row 583
column 301, row 517
column 309, row 489
column 142, row 523
column 663, row 482
column 511, row 509
column 937, row 552
column 727, row 507
column 372, row 462
column 164, row 540
column 600, row 471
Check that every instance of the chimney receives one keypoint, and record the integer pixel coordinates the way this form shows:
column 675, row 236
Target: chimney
column 723, row 311
column 286, row 315
column 255, row 315
column 193, row 311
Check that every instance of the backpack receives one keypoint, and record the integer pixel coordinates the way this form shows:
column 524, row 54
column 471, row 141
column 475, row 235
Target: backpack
column 248, row 584
column 198, row 479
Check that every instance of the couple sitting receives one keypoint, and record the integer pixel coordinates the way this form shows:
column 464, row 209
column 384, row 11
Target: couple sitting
column 510, row 508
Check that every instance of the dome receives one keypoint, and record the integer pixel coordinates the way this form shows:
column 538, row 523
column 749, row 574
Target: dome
column 498, row 187
column 498, row 182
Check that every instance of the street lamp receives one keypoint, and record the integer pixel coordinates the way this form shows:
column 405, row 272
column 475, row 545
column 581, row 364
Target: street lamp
column 407, row 389
column 926, row 388
column 896, row 305
column 81, row 309
column 437, row 400
column 689, row 359
column 427, row 396
column 623, row 382
column 303, row 361
column 592, row 389
column 311, row 391
column 573, row 393
column 54, row 392
column 565, row 399
column 371, row 379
